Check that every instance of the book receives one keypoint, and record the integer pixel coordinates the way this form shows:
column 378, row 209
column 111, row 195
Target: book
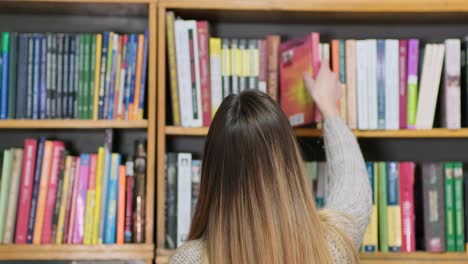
column 381, row 84
column 262, row 70
column 361, row 81
column 103, row 76
column 183, row 71
column 54, row 166
column 13, row 66
column 321, row 185
column 129, row 193
column 58, row 199
column 66, row 74
column 172, row 67
column 15, row 178
column 204, row 66
column 30, row 83
column 226, row 70
column 35, row 192
column 393, row 207
column 465, row 209
column 21, row 82
column 370, row 241
column 5, row 68
column 412, row 92
column 408, row 243
column 372, row 86
column 136, row 102
column 142, row 80
column 5, row 186
column 90, row 200
column 215, row 75
column 451, row 104
column 464, row 82
column 76, row 76
column 272, row 51
column 342, row 73
column 108, row 73
column 120, row 113
column 66, row 190
column 80, row 201
column 433, row 207
column 296, row 59
column 392, row 106
column 59, row 72
column 26, row 189
column 254, row 65
column 196, row 171
column 351, row 83
column 171, row 201
column 42, row 194
column 118, row 68
column 195, row 90
column 184, row 196
column 139, row 212
column 449, row 206
column 72, row 190
column 111, row 204
column 92, row 84
column 383, row 207
column 97, row 209
column 43, row 80
column 238, row 62
column 104, row 184
column 121, row 205
column 459, row 205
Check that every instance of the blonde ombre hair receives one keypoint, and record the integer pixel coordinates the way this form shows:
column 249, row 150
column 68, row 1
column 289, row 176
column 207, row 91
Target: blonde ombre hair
column 254, row 204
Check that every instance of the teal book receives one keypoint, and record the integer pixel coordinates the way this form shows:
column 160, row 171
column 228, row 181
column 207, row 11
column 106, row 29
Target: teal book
column 4, row 188
column 449, row 206
column 5, row 68
column 111, row 207
column 91, row 69
column 459, row 207
column 393, row 207
column 382, row 205
column 12, row 75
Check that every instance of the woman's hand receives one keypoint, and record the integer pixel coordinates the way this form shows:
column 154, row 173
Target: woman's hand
column 326, row 90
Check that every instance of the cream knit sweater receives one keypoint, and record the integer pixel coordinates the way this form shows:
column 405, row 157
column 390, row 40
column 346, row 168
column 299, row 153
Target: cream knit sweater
column 349, row 193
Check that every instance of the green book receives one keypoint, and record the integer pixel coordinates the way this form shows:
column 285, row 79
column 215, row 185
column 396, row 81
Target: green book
column 92, row 67
column 449, row 207
column 12, row 75
column 4, row 188
column 108, row 87
column 459, row 207
column 382, row 205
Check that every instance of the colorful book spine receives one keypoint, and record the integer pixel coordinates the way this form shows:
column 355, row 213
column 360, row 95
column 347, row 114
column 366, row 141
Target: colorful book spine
column 412, row 92
column 449, row 206
column 130, row 109
column 36, row 76
column 459, row 207
column 103, row 75
column 27, row 181
column 66, row 74
column 196, row 170
column 272, row 46
column 171, row 53
column 131, row 61
column 171, row 201
column 253, row 64
column 5, row 68
column 383, row 207
column 130, row 185
column 73, row 203
column 403, row 79
column 370, row 242
column 59, row 79
column 97, row 76
column 108, row 87
column 118, row 78
column 70, row 205
column 139, row 68
column 42, row 195
column 381, row 84
column 121, row 205
column 22, row 82
column 451, row 104
column 225, row 67
column 407, row 207
column 111, row 205
column 15, row 178
column 140, row 191
column 90, row 201
column 55, row 218
column 80, row 207
column 30, row 81
column 351, row 82
column 113, row 79
column 104, row 189
column 343, row 101
column 71, row 78
column 393, row 207
column 64, row 200
column 91, row 74
column 13, row 66
column 97, row 208
column 262, row 74
column 35, row 192
column 238, row 67
column 204, row 60
column 4, row 191
column 54, row 170
column 120, row 113
column 53, row 77
column 43, row 80
column 215, row 75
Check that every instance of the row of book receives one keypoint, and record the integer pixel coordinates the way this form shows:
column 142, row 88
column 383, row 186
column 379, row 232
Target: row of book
column 48, row 196
column 385, row 87
column 79, row 76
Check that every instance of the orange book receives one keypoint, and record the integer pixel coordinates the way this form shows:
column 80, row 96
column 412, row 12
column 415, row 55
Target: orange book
column 133, row 108
column 121, row 206
column 335, row 61
column 42, row 195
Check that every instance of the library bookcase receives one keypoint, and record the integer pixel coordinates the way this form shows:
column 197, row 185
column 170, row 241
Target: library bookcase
column 80, row 16
column 428, row 20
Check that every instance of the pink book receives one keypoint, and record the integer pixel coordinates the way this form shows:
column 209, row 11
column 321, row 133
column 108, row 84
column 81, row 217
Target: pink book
column 51, row 192
column 262, row 74
column 204, row 60
column 80, row 207
column 316, row 68
column 407, row 206
column 24, row 202
column 403, row 73
column 71, row 217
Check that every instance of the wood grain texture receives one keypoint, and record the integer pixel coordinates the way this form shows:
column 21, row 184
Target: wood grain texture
column 71, row 124
column 74, row 252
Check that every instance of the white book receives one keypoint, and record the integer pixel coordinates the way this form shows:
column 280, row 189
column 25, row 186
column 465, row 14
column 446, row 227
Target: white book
column 183, row 72
column 452, row 106
column 215, row 74
column 422, row 106
column 184, row 196
column 392, row 100
column 326, row 52
column 371, row 84
column 361, row 87
column 195, row 94
column 15, row 179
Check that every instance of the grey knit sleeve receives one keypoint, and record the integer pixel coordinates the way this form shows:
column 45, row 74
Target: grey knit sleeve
column 189, row 253
column 349, row 190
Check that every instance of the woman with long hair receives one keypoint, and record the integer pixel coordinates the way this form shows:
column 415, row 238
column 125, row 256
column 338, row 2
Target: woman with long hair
column 255, row 205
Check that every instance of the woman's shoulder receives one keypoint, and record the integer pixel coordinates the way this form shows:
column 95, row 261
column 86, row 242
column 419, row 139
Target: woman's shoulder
column 189, row 253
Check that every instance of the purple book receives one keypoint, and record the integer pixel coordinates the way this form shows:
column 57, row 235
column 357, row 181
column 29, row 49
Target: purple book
column 413, row 53
column 80, row 206
column 403, row 83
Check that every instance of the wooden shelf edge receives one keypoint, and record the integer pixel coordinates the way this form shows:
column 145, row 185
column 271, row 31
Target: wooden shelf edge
column 414, row 6
column 90, row 1
column 71, row 124
column 77, row 252
column 312, row 132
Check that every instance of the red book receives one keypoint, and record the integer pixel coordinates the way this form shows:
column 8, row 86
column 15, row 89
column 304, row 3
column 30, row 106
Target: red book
column 272, row 50
column 51, row 192
column 204, row 60
column 407, row 206
column 296, row 59
column 121, row 206
column 262, row 82
column 129, row 200
column 69, row 200
column 71, row 221
column 403, row 73
column 24, row 202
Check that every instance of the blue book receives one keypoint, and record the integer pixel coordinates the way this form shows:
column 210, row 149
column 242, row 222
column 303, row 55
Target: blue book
column 111, row 90
column 128, row 77
column 111, row 205
column 102, row 85
column 29, row 102
column 71, row 77
column 43, row 84
column 381, row 83
column 36, row 76
column 134, row 50
column 144, row 73
column 21, row 81
column 5, row 62
column 35, row 192
column 393, row 207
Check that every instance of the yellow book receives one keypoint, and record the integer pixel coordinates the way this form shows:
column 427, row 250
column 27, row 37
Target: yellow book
column 63, row 200
column 97, row 75
column 90, row 201
column 370, row 241
column 133, row 108
column 215, row 72
column 97, row 208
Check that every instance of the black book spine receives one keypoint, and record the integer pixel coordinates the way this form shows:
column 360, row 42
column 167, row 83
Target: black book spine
column 171, row 201
column 59, row 75
column 464, row 83
column 66, row 74
column 22, row 82
column 53, row 78
column 12, row 90
column 77, row 77
column 29, row 102
column 71, row 78
column 49, row 76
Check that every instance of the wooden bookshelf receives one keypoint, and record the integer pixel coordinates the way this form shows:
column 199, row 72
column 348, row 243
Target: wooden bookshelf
column 73, row 124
